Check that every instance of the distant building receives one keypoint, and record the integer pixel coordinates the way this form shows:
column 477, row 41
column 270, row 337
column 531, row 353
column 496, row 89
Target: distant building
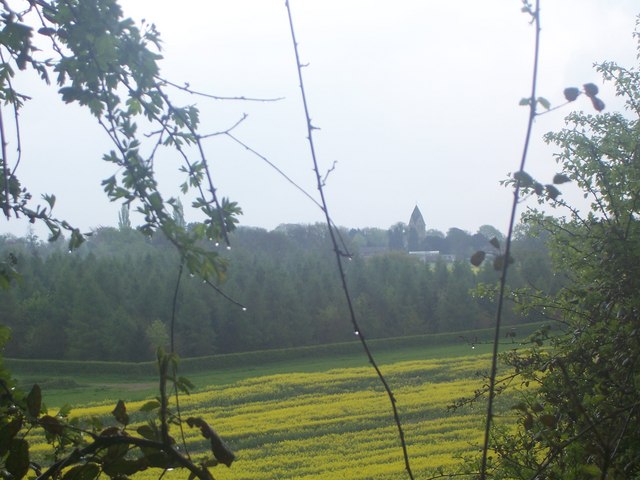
column 430, row 256
column 417, row 230
column 367, row 252
column 416, row 240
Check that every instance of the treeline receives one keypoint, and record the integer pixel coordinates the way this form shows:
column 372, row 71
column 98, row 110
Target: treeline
column 112, row 299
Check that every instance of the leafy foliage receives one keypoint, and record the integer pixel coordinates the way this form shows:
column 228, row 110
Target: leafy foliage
column 578, row 421
column 103, row 61
column 85, row 451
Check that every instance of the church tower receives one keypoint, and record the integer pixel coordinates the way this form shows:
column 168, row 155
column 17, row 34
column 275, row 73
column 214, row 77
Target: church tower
column 417, row 230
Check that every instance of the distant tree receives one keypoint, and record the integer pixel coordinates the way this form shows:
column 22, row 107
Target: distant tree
column 489, row 232
column 456, row 308
column 435, row 240
column 124, row 222
column 157, row 335
column 178, row 214
column 375, row 237
column 398, row 236
column 458, row 243
column 432, row 232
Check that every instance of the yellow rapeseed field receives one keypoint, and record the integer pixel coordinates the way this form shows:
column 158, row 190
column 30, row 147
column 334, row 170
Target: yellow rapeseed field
column 335, row 424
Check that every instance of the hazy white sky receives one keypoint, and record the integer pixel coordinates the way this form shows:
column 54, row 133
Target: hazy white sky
column 417, row 101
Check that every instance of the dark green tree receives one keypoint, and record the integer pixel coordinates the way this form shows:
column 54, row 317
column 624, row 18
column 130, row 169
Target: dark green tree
column 398, row 236
column 459, row 243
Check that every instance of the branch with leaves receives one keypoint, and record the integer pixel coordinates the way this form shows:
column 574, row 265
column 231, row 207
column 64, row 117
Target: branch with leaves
column 104, row 62
column 86, row 452
column 576, row 422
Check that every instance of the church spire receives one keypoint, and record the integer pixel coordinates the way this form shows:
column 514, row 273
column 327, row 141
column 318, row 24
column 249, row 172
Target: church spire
column 417, row 229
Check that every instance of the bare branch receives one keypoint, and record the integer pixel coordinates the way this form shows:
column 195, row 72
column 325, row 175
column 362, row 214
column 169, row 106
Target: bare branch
column 338, row 254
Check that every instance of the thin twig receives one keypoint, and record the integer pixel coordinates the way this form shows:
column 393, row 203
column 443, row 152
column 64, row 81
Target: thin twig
column 5, row 168
column 226, row 132
column 187, row 88
column 17, row 122
column 174, row 307
column 292, row 182
column 224, row 295
column 339, row 254
column 275, row 167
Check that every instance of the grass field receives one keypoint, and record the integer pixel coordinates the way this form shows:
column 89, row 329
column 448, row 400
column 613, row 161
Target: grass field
column 83, row 388
column 317, row 418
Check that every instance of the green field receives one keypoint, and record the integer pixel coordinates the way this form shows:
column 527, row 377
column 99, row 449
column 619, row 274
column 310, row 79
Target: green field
column 314, row 416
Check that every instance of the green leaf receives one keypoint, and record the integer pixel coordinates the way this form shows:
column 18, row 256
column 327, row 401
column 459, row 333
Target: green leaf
column 538, row 188
column 34, row 401
column 571, row 93
column 50, row 199
column 184, row 384
column 552, row 192
column 51, row 425
column 524, row 102
column 597, row 104
column 76, row 239
column 70, row 94
column 590, row 89
column 124, row 467
column 560, row 178
column 7, row 433
column 156, row 459
column 477, row 258
column 524, row 178
column 218, row 447
column 115, row 452
column 47, row 31
column 148, row 432
column 64, row 411
column 88, row 471
column 17, row 463
column 150, row 406
column 544, row 102
column 155, row 200
column 120, row 413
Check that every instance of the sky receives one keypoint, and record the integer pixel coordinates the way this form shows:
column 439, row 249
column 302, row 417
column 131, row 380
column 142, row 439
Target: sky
column 416, row 101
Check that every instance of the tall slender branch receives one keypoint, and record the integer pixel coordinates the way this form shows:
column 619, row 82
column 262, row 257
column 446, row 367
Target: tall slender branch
column 339, row 254
column 507, row 254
